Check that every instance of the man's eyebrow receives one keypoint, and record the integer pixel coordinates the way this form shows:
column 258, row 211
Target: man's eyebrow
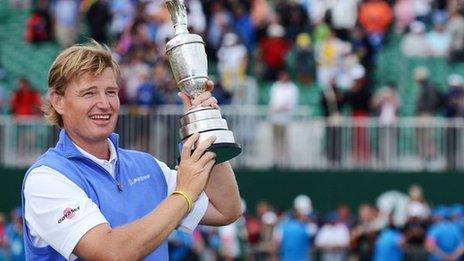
column 87, row 89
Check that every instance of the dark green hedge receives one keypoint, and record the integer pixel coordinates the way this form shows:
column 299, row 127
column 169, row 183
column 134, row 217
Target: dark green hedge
column 326, row 188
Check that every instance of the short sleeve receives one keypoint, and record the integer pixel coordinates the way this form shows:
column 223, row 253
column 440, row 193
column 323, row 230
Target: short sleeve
column 57, row 211
column 191, row 221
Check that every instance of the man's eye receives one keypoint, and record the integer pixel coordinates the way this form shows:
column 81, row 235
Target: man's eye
column 88, row 94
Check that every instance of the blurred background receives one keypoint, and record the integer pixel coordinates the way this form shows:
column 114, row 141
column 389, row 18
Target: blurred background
column 349, row 112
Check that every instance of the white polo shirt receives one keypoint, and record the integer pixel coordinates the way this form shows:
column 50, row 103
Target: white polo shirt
column 48, row 193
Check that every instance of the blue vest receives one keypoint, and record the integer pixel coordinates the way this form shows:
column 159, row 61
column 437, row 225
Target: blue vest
column 142, row 187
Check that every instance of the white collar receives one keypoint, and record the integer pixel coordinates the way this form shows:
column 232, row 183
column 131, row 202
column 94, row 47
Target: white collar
column 113, row 156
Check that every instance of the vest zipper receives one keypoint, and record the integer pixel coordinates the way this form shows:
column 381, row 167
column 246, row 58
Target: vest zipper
column 113, row 179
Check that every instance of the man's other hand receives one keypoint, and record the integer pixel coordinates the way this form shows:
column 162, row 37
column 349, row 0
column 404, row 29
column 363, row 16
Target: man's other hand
column 205, row 99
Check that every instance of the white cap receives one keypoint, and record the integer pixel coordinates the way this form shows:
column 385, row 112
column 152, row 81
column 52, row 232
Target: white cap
column 455, row 80
column 357, row 72
column 303, row 204
column 269, row 218
column 417, row 27
column 417, row 209
column 230, row 39
column 275, row 30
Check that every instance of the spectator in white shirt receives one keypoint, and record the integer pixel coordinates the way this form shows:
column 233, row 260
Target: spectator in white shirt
column 333, row 240
column 414, row 43
column 439, row 40
column 284, row 97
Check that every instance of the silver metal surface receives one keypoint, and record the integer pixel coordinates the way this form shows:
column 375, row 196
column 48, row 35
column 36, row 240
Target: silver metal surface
column 186, row 53
column 222, row 136
column 189, row 63
column 198, row 114
column 187, row 56
column 183, row 39
column 178, row 15
column 204, row 125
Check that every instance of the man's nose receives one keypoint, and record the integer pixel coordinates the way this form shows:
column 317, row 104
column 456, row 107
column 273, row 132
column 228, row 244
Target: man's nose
column 103, row 101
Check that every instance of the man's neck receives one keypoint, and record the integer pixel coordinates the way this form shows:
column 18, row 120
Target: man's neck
column 99, row 149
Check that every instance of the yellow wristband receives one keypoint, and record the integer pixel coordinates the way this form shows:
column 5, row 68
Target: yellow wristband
column 187, row 198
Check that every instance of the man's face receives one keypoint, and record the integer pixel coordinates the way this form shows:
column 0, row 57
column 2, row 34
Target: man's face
column 90, row 106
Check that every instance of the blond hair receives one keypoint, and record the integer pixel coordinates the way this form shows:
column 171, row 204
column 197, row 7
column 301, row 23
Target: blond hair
column 74, row 62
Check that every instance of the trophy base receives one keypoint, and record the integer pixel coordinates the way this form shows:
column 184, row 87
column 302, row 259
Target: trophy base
column 208, row 122
column 224, row 146
column 225, row 151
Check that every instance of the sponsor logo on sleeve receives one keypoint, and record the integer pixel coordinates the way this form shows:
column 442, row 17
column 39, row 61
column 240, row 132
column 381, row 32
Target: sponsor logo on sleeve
column 68, row 213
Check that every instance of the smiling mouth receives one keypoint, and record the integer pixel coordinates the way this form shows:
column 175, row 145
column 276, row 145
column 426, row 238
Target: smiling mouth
column 100, row 117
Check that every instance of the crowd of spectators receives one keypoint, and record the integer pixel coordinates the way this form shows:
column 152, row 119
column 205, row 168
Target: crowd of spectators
column 332, row 45
column 398, row 227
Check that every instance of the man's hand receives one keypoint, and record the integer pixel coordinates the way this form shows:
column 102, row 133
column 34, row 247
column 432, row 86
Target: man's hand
column 195, row 167
column 204, row 100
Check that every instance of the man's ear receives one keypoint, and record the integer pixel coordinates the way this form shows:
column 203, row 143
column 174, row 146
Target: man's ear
column 57, row 102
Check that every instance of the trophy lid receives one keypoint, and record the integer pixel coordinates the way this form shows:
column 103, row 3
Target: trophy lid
column 183, row 39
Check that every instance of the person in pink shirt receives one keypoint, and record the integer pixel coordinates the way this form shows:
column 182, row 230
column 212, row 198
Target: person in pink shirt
column 404, row 15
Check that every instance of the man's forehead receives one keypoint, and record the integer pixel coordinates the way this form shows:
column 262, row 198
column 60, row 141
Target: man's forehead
column 87, row 77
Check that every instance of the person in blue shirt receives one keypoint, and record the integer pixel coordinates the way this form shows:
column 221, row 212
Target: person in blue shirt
column 294, row 232
column 444, row 241
column 388, row 244
column 148, row 96
column 88, row 199
column 180, row 245
column 14, row 236
column 457, row 217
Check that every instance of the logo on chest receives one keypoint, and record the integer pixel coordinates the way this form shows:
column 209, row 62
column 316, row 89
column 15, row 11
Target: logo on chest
column 135, row 180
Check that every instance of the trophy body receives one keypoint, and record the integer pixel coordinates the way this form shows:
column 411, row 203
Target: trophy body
column 189, row 64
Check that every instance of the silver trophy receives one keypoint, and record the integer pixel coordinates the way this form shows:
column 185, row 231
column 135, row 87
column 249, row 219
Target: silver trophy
column 187, row 56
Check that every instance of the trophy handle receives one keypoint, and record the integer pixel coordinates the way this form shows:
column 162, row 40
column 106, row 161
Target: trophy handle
column 178, row 15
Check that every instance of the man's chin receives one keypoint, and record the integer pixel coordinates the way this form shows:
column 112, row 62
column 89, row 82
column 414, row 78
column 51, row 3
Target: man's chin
column 102, row 134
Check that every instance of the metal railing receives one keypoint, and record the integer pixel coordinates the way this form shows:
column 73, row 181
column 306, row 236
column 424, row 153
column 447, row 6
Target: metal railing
column 432, row 144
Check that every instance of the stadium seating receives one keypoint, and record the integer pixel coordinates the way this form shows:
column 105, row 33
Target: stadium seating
column 18, row 57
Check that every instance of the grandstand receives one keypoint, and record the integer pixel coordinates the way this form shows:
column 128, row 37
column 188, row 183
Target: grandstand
column 17, row 56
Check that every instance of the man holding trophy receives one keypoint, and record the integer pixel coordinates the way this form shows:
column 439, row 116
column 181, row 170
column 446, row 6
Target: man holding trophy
column 89, row 199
